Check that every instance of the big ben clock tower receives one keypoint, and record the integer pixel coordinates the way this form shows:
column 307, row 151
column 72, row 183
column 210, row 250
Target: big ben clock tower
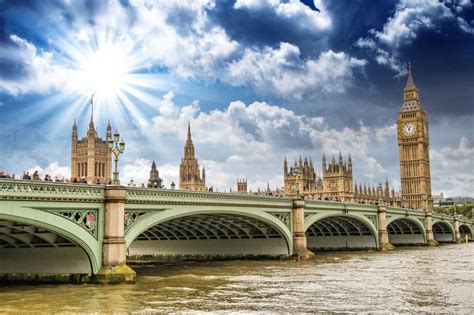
column 413, row 142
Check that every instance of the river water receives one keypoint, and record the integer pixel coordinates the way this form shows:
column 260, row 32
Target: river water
column 417, row 279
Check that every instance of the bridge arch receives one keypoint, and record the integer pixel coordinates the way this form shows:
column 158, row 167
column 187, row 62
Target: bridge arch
column 340, row 231
column 443, row 231
column 209, row 231
column 465, row 229
column 56, row 244
column 405, row 230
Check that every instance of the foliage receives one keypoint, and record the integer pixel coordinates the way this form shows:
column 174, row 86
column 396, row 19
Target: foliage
column 464, row 210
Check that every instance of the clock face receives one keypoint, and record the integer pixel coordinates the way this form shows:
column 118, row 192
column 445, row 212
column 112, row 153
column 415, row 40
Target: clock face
column 409, row 129
column 332, row 185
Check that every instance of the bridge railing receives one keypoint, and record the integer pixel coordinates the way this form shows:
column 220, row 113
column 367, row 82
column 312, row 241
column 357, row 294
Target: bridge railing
column 166, row 196
column 54, row 191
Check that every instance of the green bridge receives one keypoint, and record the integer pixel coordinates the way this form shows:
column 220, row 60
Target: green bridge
column 63, row 232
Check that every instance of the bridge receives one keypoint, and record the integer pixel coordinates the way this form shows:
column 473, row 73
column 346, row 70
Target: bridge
column 86, row 233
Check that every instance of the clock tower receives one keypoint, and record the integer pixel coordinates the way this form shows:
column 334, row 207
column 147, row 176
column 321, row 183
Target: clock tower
column 413, row 143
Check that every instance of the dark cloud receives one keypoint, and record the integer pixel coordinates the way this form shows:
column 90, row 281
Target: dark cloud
column 262, row 27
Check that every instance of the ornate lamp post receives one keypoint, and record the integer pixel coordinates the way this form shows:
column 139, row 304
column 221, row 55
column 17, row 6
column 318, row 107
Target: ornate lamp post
column 117, row 148
column 297, row 173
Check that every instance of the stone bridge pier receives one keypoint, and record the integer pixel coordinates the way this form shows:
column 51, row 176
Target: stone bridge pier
column 114, row 268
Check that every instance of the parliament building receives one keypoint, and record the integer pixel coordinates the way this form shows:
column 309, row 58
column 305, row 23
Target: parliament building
column 336, row 180
column 91, row 158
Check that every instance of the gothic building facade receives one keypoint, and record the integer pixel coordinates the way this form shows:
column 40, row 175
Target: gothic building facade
column 190, row 177
column 335, row 183
column 413, row 143
column 91, row 157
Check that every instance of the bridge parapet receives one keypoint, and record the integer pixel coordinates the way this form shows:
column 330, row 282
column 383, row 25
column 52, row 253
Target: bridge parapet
column 337, row 205
column 49, row 191
column 183, row 197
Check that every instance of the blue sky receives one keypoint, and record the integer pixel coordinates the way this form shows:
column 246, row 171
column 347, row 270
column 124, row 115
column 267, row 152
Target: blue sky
column 258, row 80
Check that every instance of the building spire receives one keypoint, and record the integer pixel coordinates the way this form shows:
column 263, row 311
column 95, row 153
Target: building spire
column 189, row 131
column 91, row 123
column 410, row 82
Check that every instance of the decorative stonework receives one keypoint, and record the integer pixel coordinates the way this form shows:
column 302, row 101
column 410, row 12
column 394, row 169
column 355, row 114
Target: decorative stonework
column 372, row 218
column 133, row 216
column 283, row 217
column 30, row 190
column 87, row 219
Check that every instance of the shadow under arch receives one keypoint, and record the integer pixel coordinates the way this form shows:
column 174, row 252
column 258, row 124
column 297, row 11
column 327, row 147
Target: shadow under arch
column 405, row 230
column 206, row 227
column 340, row 231
column 63, row 228
column 443, row 231
column 464, row 230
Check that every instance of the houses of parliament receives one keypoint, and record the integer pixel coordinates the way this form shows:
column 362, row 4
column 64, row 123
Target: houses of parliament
column 91, row 159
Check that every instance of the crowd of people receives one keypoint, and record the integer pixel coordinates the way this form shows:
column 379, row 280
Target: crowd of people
column 47, row 178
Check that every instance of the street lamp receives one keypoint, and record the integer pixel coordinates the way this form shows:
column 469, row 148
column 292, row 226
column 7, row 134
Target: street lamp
column 117, row 148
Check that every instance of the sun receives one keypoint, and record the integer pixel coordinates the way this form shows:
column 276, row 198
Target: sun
column 105, row 70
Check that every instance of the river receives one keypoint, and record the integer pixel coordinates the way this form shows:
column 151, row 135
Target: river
column 416, row 279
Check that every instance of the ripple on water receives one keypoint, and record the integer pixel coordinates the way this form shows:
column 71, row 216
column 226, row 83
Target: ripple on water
column 407, row 280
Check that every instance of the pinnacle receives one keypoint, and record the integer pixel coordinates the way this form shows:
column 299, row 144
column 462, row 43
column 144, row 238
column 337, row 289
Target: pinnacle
column 410, row 82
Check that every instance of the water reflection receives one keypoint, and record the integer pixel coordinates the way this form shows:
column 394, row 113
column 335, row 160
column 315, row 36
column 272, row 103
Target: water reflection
column 408, row 280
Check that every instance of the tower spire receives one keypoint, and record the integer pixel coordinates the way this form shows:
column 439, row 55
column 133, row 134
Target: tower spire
column 189, row 131
column 91, row 123
column 410, row 82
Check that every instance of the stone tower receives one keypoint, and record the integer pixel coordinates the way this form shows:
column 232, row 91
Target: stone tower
column 90, row 156
column 155, row 181
column 413, row 143
column 242, row 186
column 190, row 177
column 337, row 183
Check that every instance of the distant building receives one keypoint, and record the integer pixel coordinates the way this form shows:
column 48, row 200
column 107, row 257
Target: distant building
column 155, row 181
column 91, row 157
column 336, row 183
column 190, row 177
column 242, row 186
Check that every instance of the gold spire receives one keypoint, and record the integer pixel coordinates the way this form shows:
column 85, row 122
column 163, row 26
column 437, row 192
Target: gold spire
column 411, row 98
column 410, row 86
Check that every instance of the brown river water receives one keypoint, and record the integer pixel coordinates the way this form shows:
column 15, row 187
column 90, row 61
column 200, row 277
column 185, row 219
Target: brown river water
column 416, row 279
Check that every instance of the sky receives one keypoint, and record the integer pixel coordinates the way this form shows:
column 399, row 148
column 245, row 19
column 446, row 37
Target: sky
column 258, row 81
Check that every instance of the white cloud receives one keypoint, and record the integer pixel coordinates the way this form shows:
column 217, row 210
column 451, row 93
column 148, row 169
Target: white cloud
column 40, row 73
column 251, row 141
column 454, row 167
column 403, row 27
column 282, row 71
column 386, row 132
column 139, row 172
column 53, row 169
column 183, row 39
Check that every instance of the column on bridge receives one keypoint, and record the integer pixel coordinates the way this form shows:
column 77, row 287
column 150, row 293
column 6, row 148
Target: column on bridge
column 114, row 268
column 384, row 244
column 300, row 249
column 457, row 232
column 430, row 241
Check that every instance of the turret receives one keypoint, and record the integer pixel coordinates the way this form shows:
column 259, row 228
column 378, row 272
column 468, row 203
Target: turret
column 349, row 162
column 74, row 130
column 285, row 167
column 324, row 163
column 340, row 159
column 204, row 174
column 108, row 135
